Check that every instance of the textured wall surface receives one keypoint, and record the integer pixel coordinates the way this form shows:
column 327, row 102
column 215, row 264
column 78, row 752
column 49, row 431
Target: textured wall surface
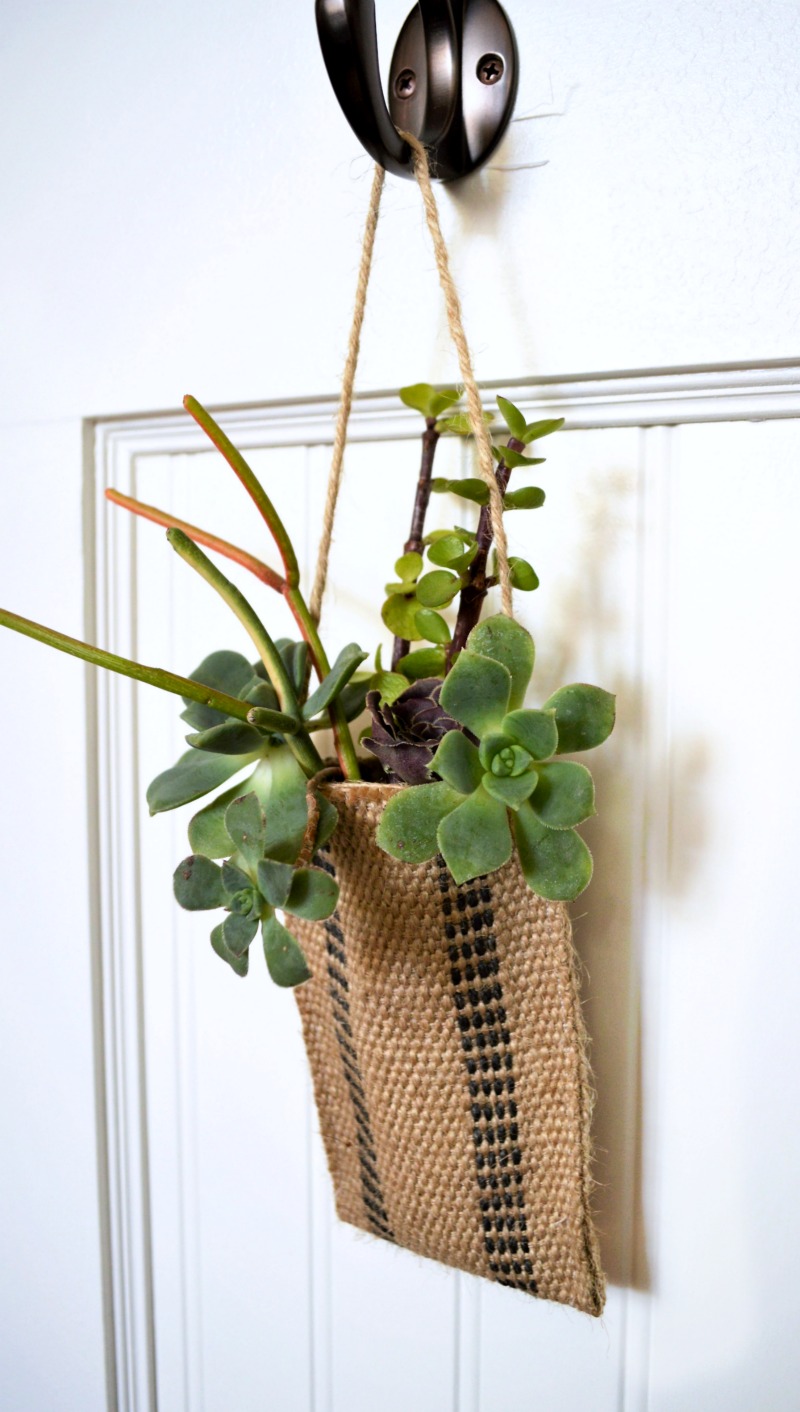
column 182, row 211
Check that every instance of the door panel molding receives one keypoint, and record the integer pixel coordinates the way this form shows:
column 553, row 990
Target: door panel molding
column 115, row 446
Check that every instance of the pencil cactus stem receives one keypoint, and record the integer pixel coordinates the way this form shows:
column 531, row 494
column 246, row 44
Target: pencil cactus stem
column 345, row 750
column 251, row 484
column 210, row 541
column 300, row 744
column 123, row 666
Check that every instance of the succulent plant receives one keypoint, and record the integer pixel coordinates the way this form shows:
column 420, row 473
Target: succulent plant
column 264, row 830
column 509, row 778
column 406, row 732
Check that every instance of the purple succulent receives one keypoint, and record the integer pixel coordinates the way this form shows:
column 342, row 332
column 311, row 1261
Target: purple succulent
column 405, row 735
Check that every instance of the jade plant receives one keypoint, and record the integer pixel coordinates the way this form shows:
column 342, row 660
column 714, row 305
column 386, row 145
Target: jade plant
column 446, row 717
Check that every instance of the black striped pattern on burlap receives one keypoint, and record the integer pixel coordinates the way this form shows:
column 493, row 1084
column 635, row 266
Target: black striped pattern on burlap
column 485, row 1038
column 338, row 990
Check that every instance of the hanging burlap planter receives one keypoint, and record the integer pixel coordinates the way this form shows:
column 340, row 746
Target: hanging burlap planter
column 444, row 1032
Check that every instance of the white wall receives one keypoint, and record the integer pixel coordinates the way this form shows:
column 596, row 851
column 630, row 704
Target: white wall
column 182, row 210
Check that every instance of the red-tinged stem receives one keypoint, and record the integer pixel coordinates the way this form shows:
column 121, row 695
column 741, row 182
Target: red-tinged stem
column 210, row 541
column 293, row 597
column 251, row 484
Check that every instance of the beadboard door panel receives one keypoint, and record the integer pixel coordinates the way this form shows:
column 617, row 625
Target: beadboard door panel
column 666, row 573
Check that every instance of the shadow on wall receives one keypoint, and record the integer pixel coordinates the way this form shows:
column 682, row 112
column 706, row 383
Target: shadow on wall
column 590, row 622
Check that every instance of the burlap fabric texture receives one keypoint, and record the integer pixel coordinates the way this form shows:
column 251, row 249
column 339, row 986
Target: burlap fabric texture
column 444, row 1032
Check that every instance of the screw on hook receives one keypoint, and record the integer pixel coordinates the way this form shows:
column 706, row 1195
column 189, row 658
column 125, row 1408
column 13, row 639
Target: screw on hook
column 405, row 83
column 490, row 68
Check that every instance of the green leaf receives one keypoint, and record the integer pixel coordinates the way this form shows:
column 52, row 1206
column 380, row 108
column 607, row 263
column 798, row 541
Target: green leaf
column 409, row 567
column 283, row 799
column 295, row 660
column 421, row 397
column 512, row 416
column 456, row 761
column 339, row 675
column 448, row 551
column 261, row 693
column 425, row 662
column 238, row 964
column 197, row 884
column 313, row 894
column 522, row 575
column 266, row 719
column 195, row 774
column 400, row 616
column 244, row 821
column 231, row 738
column 470, row 488
column 328, row 819
column 207, row 831
column 528, row 497
column 564, row 795
column 476, row 692
column 389, row 685
column 515, row 460
column 274, row 880
column 437, row 588
column 223, row 671
column 503, row 757
column 535, row 430
column 500, row 638
column 461, row 423
column 556, row 863
column 285, row 961
column 511, row 790
column 238, row 932
column 584, row 716
column 536, row 730
column 408, row 824
column 432, row 626
column 202, row 718
column 475, row 838
column 235, row 881
column 353, row 699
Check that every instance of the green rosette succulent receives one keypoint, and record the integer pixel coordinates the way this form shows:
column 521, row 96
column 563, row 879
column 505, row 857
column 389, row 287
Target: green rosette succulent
column 265, row 830
column 499, row 779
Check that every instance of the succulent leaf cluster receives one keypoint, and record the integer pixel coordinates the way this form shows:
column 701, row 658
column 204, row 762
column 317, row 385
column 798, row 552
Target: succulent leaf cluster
column 258, row 826
column 265, row 829
column 500, row 772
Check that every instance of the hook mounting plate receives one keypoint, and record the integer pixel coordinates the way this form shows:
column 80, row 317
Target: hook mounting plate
column 452, row 81
column 481, row 88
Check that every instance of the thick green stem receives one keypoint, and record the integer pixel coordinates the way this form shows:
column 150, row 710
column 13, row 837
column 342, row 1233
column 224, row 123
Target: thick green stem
column 345, row 748
column 251, row 484
column 300, row 744
column 153, row 676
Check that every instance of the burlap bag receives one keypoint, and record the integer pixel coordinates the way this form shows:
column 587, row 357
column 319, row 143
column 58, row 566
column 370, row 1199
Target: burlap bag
column 444, row 1032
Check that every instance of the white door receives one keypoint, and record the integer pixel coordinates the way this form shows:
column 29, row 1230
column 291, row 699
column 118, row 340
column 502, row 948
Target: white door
column 184, row 205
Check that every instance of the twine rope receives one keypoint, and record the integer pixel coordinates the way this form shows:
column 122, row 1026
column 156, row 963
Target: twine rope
column 474, row 405
column 346, row 399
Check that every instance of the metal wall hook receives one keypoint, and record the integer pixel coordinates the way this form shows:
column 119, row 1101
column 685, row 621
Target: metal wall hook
column 452, row 80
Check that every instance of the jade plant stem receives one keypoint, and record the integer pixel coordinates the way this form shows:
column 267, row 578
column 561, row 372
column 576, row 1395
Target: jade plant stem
column 153, row 676
column 300, row 743
column 414, row 544
column 478, row 584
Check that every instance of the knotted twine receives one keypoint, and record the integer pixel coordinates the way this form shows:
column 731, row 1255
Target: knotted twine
column 474, row 405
